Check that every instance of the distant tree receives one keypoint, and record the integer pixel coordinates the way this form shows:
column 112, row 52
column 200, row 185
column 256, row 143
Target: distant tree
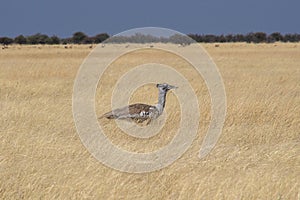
column 79, row 37
column 53, row 40
column 209, row 38
column 195, row 37
column 239, row 38
column 291, row 38
column 6, row 40
column 137, row 38
column 66, row 40
column 249, row 37
column 298, row 37
column 119, row 39
column 275, row 37
column 228, row 38
column 37, row 39
column 288, row 38
column 180, row 39
column 99, row 38
column 222, row 38
column 20, row 40
column 256, row 37
column 88, row 40
column 32, row 39
column 260, row 37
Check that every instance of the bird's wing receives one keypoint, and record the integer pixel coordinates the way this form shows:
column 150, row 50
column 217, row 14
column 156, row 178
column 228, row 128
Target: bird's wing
column 132, row 111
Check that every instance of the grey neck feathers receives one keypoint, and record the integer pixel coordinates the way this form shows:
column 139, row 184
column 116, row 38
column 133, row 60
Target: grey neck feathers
column 161, row 100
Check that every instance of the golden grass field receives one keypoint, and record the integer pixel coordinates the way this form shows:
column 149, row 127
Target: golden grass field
column 256, row 157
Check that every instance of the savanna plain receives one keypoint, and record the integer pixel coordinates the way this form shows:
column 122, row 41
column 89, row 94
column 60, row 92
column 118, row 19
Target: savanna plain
column 256, row 157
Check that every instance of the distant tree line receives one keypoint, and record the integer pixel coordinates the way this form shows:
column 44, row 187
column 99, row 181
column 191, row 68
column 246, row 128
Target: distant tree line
column 140, row 38
column 257, row 37
column 82, row 38
column 77, row 38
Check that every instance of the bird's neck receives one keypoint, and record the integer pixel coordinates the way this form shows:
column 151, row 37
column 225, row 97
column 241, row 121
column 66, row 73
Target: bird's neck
column 161, row 100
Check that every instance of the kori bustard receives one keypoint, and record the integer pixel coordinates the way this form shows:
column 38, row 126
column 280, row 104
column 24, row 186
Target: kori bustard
column 141, row 112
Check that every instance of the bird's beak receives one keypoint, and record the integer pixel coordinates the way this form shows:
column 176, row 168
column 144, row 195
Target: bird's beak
column 172, row 87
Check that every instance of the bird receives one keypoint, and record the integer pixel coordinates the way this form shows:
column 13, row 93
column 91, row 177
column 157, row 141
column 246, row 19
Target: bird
column 140, row 112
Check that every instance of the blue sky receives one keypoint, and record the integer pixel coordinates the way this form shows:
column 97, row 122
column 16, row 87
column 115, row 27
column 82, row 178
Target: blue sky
column 64, row 17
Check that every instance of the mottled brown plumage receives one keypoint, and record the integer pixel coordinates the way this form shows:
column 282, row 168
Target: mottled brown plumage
column 140, row 112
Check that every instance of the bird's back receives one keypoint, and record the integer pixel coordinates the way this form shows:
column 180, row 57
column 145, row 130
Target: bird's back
column 138, row 110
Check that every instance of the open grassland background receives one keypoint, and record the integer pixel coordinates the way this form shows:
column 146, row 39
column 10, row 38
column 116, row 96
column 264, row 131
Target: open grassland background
column 256, row 157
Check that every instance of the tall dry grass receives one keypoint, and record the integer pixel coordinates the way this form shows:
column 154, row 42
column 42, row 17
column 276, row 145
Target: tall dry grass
column 256, row 157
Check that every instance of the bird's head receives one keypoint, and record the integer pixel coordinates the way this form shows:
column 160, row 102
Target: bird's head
column 165, row 86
